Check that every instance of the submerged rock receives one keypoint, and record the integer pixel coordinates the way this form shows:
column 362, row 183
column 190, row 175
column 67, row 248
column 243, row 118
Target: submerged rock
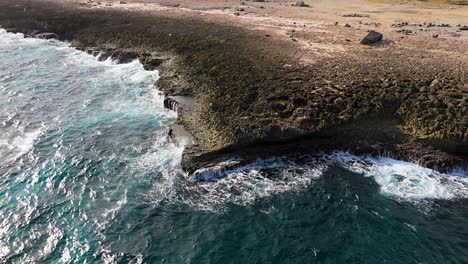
column 103, row 56
column 372, row 38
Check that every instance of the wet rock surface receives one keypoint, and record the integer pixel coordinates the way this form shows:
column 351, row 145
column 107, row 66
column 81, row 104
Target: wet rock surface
column 254, row 99
column 46, row 36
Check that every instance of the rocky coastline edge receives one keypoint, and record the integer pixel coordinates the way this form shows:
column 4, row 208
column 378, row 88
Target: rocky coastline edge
column 239, row 96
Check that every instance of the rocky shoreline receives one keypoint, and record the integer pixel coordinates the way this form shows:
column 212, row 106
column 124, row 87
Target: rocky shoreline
column 243, row 93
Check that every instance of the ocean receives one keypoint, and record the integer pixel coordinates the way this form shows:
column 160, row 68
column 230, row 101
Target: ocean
column 88, row 174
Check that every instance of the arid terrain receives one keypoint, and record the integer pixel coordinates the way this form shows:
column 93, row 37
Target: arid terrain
column 256, row 79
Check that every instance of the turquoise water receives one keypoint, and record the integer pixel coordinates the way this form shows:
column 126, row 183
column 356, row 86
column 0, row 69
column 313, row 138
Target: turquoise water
column 88, row 175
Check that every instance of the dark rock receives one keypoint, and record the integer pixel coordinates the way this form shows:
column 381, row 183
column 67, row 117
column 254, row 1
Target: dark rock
column 347, row 25
column 151, row 63
column 171, row 104
column 168, row 4
column 464, row 28
column 355, row 15
column 275, row 97
column 402, row 24
column 301, row 4
column 46, row 36
column 406, row 31
column 299, row 100
column 372, row 37
column 125, row 56
column 103, row 56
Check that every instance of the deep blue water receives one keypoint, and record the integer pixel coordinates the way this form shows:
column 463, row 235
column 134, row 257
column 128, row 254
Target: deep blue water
column 88, row 175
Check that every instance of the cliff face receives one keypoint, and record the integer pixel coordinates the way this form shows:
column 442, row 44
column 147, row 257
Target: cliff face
column 253, row 96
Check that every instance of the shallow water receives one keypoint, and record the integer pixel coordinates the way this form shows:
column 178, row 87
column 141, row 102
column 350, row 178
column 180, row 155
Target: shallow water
column 88, row 174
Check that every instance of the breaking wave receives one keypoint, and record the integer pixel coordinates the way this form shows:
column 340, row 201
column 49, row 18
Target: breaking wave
column 214, row 188
column 405, row 180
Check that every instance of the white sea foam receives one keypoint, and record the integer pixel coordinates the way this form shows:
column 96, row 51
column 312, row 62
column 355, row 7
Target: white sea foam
column 85, row 88
column 405, row 180
column 17, row 144
column 65, row 258
column 244, row 185
column 54, row 236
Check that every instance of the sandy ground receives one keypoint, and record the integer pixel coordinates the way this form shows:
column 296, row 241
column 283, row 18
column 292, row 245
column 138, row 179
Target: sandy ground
column 326, row 26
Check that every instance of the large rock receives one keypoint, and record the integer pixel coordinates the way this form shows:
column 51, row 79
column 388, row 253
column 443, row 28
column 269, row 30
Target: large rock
column 372, row 38
column 301, row 4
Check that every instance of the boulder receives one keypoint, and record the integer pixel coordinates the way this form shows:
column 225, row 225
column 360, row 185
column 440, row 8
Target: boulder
column 372, row 38
column 301, row 4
